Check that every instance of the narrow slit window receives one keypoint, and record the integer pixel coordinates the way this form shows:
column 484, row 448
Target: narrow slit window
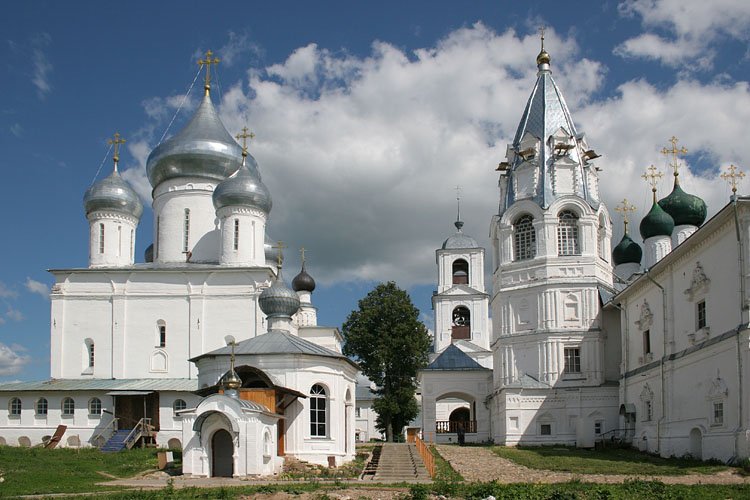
column 186, row 232
column 162, row 336
column 647, row 342
column 700, row 309
column 101, row 238
column 236, row 234
column 91, row 354
column 132, row 244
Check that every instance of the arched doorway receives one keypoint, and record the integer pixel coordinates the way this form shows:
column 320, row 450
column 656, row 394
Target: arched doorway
column 696, row 443
column 222, row 449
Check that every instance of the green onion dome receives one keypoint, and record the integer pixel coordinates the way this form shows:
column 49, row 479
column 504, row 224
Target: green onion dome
column 627, row 251
column 685, row 209
column 656, row 223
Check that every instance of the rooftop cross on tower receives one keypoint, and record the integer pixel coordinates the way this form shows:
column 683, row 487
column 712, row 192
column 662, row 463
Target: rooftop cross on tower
column 733, row 175
column 459, row 224
column 116, row 141
column 543, row 59
column 207, row 62
column 674, row 152
column 279, row 255
column 623, row 208
column 302, row 252
column 244, row 136
column 652, row 177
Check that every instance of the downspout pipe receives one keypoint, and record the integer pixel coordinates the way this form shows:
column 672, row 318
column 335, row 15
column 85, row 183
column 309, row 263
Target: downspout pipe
column 741, row 263
column 626, row 351
column 661, row 363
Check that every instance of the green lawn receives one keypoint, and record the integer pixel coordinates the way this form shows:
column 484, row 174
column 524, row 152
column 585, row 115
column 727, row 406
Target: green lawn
column 29, row 471
column 607, row 461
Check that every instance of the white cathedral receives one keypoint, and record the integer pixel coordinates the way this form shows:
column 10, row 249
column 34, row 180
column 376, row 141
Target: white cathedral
column 584, row 343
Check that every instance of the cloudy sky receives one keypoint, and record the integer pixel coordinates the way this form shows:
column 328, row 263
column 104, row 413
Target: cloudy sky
column 366, row 115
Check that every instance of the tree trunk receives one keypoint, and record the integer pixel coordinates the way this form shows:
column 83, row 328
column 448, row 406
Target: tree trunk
column 389, row 432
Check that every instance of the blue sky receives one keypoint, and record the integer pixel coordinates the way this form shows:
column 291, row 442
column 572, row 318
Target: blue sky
column 367, row 114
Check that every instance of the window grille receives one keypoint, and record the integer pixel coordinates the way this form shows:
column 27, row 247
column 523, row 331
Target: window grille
column 101, row 238
column 162, row 335
column 701, row 314
column 524, row 238
column 318, row 402
column 14, row 407
column 236, row 234
column 718, row 413
column 41, row 406
column 186, row 232
column 567, row 234
column 572, row 360
column 68, row 406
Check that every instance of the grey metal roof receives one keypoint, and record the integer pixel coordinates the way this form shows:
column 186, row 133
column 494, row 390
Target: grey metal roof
column 276, row 342
column 243, row 188
column 202, row 149
column 453, row 358
column 459, row 239
column 132, row 384
column 112, row 194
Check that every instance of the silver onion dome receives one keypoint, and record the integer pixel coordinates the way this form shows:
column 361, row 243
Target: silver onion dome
column 459, row 239
column 202, row 149
column 243, row 188
column 278, row 300
column 272, row 254
column 112, row 194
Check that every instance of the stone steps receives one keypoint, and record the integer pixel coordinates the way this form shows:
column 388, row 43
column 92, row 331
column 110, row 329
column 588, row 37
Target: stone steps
column 400, row 462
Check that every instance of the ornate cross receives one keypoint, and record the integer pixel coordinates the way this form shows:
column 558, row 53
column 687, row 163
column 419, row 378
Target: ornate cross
column 302, row 251
column 116, row 141
column 674, row 152
column 244, row 136
column 541, row 32
column 207, row 62
column 652, row 177
column 623, row 208
column 279, row 256
column 733, row 175
column 232, row 344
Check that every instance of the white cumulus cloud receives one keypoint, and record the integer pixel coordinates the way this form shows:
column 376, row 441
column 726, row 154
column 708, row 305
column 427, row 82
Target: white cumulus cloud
column 37, row 287
column 12, row 359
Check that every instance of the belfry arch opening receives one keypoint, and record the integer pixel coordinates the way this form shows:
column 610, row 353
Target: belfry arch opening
column 460, row 272
column 461, row 328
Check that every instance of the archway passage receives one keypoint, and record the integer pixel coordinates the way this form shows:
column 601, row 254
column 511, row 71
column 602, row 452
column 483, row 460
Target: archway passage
column 221, row 454
column 696, row 443
column 461, row 418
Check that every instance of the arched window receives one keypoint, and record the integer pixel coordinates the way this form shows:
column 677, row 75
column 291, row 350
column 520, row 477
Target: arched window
column 14, row 407
column 460, row 272
column 461, row 328
column 524, row 238
column 179, row 404
column 186, row 232
column 41, row 406
column 567, row 234
column 95, row 406
column 68, row 406
column 236, row 234
column 161, row 333
column 318, row 404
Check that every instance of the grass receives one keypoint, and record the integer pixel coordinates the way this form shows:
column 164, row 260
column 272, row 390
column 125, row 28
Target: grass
column 607, row 461
column 29, row 471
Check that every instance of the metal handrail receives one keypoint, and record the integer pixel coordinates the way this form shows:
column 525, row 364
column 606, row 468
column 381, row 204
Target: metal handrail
column 112, row 423
column 141, row 428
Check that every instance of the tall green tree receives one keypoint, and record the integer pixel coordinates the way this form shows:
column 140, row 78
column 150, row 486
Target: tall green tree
column 391, row 345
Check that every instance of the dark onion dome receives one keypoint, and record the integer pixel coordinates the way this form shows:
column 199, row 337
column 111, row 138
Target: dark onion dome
column 627, row 251
column 303, row 282
column 202, row 149
column 459, row 239
column 656, row 223
column 685, row 209
column 278, row 300
column 272, row 254
column 148, row 255
column 243, row 188
column 112, row 194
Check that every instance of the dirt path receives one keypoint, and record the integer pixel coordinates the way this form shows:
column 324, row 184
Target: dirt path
column 480, row 464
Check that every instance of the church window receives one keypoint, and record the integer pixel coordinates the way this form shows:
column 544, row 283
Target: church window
column 186, row 232
column 95, row 406
column 647, row 342
column 461, row 328
column 162, row 340
column 236, row 234
column 119, row 240
column 567, row 234
column 718, row 416
column 179, row 405
column 648, row 410
column 14, row 407
column 132, row 244
column 597, row 428
column 700, row 313
column 68, row 407
column 460, row 272
column 318, row 403
column 572, row 360
column 524, row 238
column 90, row 348
column 158, row 232
column 545, row 429
column 41, row 406
column 101, row 238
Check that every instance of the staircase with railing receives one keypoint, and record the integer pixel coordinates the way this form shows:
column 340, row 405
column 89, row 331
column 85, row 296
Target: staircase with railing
column 127, row 438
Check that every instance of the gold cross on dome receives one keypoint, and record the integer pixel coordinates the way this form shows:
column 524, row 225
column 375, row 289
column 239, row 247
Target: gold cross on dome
column 279, row 256
column 652, row 177
column 244, row 136
column 674, row 152
column 623, row 208
column 733, row 175
column 302, row 252
column 541, row 33
column 116, row 141
column 207, row 62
